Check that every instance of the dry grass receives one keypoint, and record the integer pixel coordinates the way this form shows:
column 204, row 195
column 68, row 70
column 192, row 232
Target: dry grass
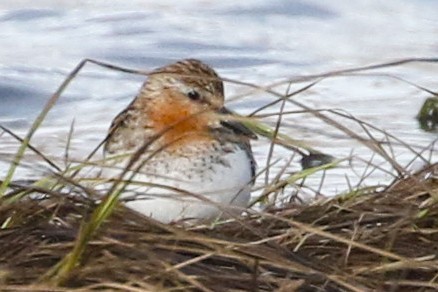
column 382, row 240
column 54, row 237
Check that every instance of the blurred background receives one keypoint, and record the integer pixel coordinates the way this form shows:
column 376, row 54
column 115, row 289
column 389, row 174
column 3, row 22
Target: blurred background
column 261, row 42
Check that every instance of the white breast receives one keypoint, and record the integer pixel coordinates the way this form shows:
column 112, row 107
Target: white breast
column 201, row 187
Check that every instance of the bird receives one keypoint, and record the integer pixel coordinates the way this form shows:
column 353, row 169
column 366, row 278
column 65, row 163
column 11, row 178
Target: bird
column 186, row 157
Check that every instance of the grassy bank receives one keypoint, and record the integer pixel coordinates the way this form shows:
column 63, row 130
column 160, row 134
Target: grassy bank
column 384, row 240
column 56, row 236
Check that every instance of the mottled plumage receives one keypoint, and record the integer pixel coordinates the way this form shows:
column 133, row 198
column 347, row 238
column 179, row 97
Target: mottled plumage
column 193, row 151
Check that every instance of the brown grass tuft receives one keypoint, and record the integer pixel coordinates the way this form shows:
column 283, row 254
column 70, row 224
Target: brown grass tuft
column 382, row 240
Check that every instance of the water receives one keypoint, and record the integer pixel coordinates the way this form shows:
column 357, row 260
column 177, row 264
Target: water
column 260, row 42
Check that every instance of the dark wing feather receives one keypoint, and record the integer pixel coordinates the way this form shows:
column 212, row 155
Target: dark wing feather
column 117, row 123
column 236, row 132
column 236, row 126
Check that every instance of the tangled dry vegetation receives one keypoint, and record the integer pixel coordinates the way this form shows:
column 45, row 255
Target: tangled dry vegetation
column 374, row 238
column 382, row 240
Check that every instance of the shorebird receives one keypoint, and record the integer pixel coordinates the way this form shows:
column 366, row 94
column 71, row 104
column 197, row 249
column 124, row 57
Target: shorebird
column 190, row 157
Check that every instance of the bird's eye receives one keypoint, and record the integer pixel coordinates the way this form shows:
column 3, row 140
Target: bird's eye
column 194, row 95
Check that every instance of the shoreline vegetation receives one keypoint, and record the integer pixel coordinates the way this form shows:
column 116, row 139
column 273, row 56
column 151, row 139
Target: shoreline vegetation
column 56, row 236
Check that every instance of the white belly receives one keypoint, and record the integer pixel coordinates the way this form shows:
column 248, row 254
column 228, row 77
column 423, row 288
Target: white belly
column 202, row 188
